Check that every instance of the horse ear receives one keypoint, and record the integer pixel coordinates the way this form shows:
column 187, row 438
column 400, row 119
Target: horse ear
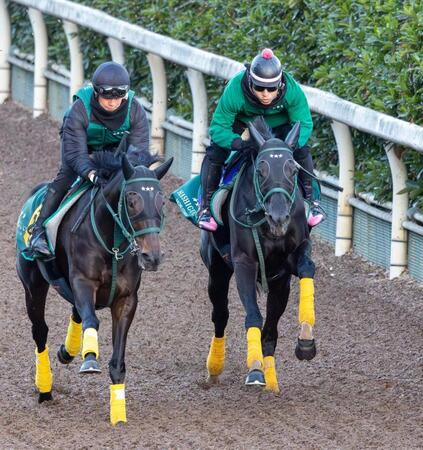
column 127, row 168
column 256, row 135
column 160, row 171
column 292, row 139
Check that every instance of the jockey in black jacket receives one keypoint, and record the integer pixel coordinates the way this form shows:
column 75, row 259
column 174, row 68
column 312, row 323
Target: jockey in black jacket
column 97, row 120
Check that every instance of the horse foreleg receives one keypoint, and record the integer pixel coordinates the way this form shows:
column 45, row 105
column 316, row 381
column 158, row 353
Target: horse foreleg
column 36, row 289
column 246, row 275
column 84, row 291
column 306, row 347
column 123, row 310
column 73, row 342
column 277, row 300
column 219, row 278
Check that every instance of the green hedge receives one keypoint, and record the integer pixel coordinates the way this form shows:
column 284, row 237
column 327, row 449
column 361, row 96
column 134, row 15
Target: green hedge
column 367, row 52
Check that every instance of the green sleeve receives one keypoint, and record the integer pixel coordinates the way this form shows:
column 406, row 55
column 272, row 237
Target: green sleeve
column 298, row 110
column 229, row 106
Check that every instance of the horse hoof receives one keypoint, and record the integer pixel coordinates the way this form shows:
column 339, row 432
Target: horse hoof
column 305, row 349
column 213, row 379
column 45, row 397
column 90, row 365
column 255, row 378
column 63, row 356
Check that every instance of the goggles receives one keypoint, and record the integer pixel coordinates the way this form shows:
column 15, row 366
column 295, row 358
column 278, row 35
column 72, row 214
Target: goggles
column 112, row 91
column 263, row 88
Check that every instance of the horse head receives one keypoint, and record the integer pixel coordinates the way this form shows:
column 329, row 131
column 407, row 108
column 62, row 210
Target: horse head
column 275, row 175
column 141, row 202
column 135, row 190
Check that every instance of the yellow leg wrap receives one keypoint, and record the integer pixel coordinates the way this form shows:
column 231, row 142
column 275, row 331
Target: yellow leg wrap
column 306, row 308
column 43, row 375
column 90, row 342
column 270, row 374
column 73, row 338
column 216, row 357
column 255, row 352
column 117, row 403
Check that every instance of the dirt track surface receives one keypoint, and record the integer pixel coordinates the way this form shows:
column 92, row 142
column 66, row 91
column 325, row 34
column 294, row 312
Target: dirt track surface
column 363, row 390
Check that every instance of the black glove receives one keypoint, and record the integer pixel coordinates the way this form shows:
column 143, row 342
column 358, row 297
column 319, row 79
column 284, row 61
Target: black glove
column 97, row 179
column 239, row 145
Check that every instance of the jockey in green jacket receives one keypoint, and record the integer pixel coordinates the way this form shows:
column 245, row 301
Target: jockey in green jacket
column 97, row 120
column 262, row 89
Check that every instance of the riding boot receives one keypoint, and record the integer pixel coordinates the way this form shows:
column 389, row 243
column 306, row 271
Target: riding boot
column 211, row 172
column 315, row 213
column 38, row 242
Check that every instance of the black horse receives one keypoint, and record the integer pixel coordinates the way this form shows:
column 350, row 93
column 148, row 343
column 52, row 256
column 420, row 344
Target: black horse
column 265, row 239
column 104, row 243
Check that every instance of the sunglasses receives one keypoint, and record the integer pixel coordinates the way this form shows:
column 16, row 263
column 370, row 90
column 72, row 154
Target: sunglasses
column 262, row 88
column 113, row 91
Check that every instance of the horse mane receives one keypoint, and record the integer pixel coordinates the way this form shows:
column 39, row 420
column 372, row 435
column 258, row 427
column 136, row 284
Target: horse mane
column 110, row 162
column 107, row 160
column 139, row 157
column 261, row 126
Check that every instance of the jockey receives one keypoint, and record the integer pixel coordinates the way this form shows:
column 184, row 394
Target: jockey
column 97, row 120
column 260, row 89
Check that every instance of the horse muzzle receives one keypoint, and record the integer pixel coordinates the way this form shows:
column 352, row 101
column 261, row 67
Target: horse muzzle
column 149, row 261
column 278, row 225
column 149, row 254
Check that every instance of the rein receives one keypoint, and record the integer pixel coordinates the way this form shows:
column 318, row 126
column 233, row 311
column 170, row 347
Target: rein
column 260, row 208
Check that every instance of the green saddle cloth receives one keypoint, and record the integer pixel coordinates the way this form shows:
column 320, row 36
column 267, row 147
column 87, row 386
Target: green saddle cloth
column 186, row 197
column 30, row 212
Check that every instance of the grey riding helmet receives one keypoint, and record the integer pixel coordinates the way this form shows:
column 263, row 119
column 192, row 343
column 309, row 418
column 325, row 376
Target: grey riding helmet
column 111, row 80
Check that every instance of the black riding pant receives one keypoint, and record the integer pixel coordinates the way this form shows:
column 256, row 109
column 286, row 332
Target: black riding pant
column 57, row 189
column 64, row 179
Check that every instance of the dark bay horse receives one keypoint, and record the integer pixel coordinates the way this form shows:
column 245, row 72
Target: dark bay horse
column 265, row 239
column 102, row 260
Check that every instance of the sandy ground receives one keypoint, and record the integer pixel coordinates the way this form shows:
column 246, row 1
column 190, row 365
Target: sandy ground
column 363, row 390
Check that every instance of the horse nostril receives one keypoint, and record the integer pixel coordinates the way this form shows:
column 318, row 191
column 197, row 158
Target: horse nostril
column 146, row 257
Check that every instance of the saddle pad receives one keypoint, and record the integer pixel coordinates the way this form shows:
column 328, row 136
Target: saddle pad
column 28, row 216
column 30, row 212
column 52, row 223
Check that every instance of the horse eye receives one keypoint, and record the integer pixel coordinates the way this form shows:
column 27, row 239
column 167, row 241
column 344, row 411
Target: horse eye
column 263, row 169
column 159, row 202
column 135, row 203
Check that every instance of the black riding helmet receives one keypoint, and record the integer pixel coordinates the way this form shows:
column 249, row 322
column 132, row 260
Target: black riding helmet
column 265, row 70
column 111, row 80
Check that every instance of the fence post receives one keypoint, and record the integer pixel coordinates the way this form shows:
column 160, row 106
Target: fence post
column 40, row 61
column 199, row 98
column 76, row 60
column 344, row 216
column 399, row 211
column 5, row 40
column 117, row 50
column 158, row 75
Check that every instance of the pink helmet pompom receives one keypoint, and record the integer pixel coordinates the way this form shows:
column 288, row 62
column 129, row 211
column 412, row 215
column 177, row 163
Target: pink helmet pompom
column 267, row 53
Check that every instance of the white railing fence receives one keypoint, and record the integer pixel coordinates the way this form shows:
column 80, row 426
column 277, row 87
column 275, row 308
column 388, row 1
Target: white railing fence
column 343, row 114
